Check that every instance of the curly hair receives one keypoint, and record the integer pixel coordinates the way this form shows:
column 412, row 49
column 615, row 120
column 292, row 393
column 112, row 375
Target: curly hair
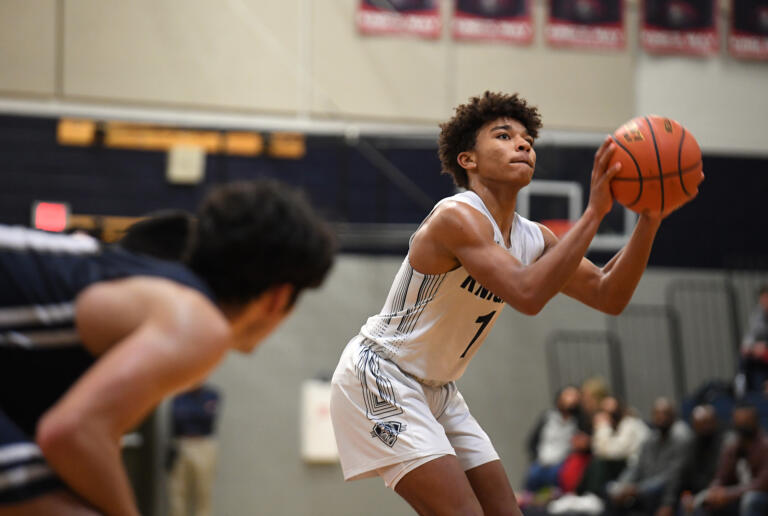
column 459, row 134
column 252, row 235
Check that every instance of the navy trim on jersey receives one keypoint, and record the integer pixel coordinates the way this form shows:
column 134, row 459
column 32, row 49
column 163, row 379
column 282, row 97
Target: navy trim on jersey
column 24, row 473
column 402, row 292
column 427, row 290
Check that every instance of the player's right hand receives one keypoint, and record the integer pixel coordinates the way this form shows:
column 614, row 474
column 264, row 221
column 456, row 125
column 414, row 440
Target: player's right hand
column 600, row 196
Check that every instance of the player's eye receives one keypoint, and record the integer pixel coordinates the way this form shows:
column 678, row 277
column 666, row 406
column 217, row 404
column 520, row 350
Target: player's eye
column 503, row 136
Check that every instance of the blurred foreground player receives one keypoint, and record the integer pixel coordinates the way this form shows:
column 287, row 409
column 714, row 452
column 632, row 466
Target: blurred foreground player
column 92, row 338
column 395, row 407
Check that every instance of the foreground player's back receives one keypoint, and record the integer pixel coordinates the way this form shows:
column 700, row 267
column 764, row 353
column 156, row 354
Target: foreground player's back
column 41, row 275
column 432, row 324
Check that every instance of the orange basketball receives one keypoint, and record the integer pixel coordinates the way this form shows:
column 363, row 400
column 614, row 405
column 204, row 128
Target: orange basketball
column 660, row 164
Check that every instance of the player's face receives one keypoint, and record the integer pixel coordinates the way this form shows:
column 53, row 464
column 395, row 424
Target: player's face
column 504, row 152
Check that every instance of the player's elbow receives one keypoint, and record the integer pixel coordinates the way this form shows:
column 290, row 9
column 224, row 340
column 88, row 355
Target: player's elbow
column 528, row 305
column 616, row 309
column 533, row 309
column 56, row 433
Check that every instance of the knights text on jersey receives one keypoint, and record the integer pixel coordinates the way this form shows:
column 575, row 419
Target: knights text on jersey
column 432, row 325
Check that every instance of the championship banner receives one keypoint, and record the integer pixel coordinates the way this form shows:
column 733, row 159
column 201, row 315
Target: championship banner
column 586, row 23
column 680, row 27
column 493, row 20
column 749, row 29
column 418, row 17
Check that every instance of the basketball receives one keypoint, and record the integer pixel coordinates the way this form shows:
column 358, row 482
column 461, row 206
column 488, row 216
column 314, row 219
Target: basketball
column 661, row 164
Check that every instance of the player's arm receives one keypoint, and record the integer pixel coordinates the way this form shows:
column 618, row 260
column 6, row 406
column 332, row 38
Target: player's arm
column 610, row 288
column 170, row 337
column 460, row 231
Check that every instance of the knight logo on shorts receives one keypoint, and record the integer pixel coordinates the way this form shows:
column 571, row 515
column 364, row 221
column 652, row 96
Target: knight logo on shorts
column 387, row 431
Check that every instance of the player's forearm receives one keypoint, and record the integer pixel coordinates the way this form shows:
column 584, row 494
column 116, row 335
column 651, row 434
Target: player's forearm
column 622, row 275
column 547, row 276
column 88, row 460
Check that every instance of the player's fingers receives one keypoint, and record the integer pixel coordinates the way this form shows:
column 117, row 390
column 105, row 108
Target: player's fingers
column 694, row 191
column 605, row 158
column 612, row 171
column 602, row 149
column 609, row 174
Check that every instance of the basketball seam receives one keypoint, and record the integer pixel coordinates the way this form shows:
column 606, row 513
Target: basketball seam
column 679, row 158
column 658, row 162
column 639, row 172
column 666, row 175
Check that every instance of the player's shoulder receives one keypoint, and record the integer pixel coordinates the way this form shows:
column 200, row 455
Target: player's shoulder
column 547, row 235
column 161, row 293
column 124, row 305
column 456, row 219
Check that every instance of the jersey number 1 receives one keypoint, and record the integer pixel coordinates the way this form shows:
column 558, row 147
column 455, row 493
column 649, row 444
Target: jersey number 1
column 483, row 321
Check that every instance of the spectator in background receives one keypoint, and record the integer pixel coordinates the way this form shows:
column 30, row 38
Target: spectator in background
column 754, row 347
column 550, row 441
column 641, row 485
column 618, row 434
column 572, row 470
column 617, row 437
column 740, row 486
column 193, row 415
column 699, row 463
column 593, row 391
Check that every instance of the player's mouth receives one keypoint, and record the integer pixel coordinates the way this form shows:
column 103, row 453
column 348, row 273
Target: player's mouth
column 523, row 161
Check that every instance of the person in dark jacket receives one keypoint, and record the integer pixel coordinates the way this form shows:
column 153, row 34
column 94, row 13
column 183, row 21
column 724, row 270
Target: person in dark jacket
column 699, row 464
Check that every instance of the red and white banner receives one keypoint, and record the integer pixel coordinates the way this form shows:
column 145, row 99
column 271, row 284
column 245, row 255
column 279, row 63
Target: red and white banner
column 749, row 29
column 417, row 17
column 586, row 23
column 680, row 27
column 493, row 20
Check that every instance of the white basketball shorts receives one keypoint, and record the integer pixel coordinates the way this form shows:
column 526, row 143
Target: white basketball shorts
column 383, row 416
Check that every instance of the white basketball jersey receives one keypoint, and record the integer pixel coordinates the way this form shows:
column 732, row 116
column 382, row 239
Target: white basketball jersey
column 432, row 324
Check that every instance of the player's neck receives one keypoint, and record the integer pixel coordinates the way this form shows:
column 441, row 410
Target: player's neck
column 501, row 202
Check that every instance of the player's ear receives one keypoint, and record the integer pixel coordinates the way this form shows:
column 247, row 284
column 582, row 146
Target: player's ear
column 280, row 298
column 466, row 160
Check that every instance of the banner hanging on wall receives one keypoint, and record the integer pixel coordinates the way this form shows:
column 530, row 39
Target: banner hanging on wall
column 680, row 27
column 749, row 29
column 417, row 17
column 493, row 20
column 586, row 23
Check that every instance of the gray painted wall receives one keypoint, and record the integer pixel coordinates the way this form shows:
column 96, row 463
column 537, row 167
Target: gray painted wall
column 506, row 387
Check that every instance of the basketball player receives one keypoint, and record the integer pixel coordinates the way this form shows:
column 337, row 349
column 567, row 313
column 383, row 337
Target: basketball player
column 92, row 337
column 395, row 408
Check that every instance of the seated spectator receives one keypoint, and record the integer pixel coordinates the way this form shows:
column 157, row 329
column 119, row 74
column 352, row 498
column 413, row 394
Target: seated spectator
column 699, row 464
column 642, row 483
column 572, row 470
column 593, row 391
column 617, row 437
column 754, row 347
column 617, row 433
column 550, row 440
column 740, row 486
